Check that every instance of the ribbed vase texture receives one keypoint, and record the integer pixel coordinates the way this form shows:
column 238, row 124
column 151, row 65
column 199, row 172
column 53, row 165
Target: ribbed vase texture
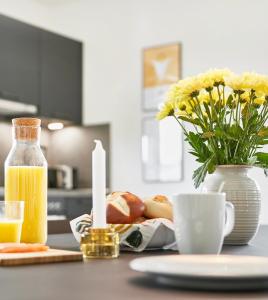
column 244, row 193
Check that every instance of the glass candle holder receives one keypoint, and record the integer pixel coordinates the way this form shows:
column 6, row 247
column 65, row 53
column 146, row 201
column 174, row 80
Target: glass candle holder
column 100, row 243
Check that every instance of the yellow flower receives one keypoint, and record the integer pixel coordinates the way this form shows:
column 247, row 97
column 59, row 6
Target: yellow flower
column 259, row 101
column 166, row 110
column 185, row 95
column 263, row 132
column 187, row 89
column 208, row 134
column 256, row 82
column 245, row 97
column 182, row 109
column 182, row 106
column 182, row 114
column 173, row 93
column 248, row 81
column 236, row 82
column 213, row 77
column 189, row 86
column 204, row 97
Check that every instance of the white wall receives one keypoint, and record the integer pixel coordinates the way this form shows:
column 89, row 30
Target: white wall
column 213, row 34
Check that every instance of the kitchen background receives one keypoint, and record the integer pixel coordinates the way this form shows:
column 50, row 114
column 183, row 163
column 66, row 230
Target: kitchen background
column 112, row 35
column 69, row 148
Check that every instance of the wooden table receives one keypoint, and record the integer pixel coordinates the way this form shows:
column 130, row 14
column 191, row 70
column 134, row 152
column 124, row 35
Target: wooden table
column 107, row 279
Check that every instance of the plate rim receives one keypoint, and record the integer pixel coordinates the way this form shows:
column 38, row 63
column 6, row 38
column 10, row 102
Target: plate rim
column 204, row 277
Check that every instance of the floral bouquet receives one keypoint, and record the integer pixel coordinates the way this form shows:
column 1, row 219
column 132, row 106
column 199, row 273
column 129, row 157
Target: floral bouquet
column 227, row 114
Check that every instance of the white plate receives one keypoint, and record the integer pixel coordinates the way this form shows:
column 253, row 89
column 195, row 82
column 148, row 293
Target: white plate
column 214, row 272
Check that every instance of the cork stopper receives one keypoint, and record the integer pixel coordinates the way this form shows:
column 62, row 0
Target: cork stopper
column 26, row 122
column 26, row 128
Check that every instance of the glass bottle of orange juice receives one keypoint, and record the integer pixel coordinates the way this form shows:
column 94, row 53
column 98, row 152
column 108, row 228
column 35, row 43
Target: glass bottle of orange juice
column 26, row 178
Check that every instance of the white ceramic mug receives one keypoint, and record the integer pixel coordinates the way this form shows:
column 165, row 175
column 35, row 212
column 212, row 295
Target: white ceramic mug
column 201, row 221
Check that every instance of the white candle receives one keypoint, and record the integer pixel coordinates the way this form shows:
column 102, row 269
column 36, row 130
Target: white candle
column 99, row 186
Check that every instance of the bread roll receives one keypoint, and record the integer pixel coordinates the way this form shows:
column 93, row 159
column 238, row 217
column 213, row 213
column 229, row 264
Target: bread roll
column 124, row 208
column 158, row 207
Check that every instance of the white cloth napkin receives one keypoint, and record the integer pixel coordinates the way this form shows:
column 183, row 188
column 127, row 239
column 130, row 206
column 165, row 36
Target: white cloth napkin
column 152, row 234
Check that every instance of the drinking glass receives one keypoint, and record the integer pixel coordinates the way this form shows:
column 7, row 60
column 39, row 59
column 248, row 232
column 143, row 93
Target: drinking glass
column 11, row 219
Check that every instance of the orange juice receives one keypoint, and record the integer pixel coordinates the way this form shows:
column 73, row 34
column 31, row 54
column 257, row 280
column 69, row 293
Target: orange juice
column 29, row 184
column 10, row 231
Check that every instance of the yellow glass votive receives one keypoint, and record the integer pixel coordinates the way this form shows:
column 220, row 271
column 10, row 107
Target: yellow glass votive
column 100, row 243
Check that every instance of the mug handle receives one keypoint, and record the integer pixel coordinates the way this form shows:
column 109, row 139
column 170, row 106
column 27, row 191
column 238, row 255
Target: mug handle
column 230, row 218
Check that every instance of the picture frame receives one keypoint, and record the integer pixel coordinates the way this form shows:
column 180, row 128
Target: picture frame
column 161, row 68
column 162, row 150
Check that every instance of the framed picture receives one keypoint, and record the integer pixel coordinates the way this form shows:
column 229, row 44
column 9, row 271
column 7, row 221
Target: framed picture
column 161, row 68
column 162, row 150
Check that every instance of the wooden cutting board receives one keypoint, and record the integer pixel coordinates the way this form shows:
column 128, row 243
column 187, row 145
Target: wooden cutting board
column 50, row 256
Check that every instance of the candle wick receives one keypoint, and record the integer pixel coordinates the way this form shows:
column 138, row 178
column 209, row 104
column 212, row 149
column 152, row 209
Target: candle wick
column 98, row 144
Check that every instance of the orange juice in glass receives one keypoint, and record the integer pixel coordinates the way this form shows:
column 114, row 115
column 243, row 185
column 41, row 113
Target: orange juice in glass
column 11, row 219
column 26, row 178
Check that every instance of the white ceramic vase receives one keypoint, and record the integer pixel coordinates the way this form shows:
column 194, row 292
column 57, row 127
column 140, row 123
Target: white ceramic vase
column 244, row 193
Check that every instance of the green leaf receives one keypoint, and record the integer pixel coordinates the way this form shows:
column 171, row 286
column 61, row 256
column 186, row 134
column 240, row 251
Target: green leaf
column 230, row 101
column 197, row 143
column 194, row 153
column 263, row 142
column 192, row 121
column 252, row 160
column 235, row 131
column 262, row 159
column 245, row 114
column 219, row 133
column 207, row 167
column 207, row 110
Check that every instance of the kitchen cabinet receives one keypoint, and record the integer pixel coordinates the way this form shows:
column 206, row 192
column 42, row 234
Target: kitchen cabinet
column 19, row 61
column 41, row 68
column 61, row 82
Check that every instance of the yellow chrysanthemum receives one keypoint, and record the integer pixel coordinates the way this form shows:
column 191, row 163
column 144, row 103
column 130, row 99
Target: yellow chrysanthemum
column 166, row 110
column 259, row 100
column 173, row 94
column 184, row 96
column 182, row 114
column 204, row 97
column 248, row 81
column 256, row 82
column 213, row 76
column 245, row 97
column 236, row 82
column 182, row 108
column 188, row 86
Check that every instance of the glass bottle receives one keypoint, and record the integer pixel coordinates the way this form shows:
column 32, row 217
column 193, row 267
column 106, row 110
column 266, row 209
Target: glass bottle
column 26, row 178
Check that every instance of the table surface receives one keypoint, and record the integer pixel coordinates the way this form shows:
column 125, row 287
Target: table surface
column 108, row 279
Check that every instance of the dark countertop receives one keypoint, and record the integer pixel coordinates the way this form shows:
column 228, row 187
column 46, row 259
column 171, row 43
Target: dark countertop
column 107, row 279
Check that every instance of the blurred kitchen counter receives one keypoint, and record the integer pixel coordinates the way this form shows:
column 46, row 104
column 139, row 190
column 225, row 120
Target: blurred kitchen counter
column 76, row 193
column 62, row 193
column 65, row 205
column 85, row 192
